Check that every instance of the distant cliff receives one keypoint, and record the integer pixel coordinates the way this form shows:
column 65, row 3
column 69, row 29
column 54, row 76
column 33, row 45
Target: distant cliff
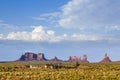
column 78, row 59
column 29, row 56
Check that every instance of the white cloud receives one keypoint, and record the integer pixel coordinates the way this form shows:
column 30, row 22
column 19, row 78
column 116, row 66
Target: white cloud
column 83, row 37
column 18, row 36
column 86, row 37
column 113, row 28
column 90, row 14
column 73, row 6
column 38, row 29
column 71, row 14
column 39, row 34
column 48, row 17
column 53, row 14
column 50, row 32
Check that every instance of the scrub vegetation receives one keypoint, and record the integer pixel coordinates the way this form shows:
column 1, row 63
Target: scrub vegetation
column 59, row 71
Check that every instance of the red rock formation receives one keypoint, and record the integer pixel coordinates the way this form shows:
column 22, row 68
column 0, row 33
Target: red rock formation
column 55, row 59
column 40, row 57
column 74, row 59
column 84, row 59
column 29, row 56
column 106, row 59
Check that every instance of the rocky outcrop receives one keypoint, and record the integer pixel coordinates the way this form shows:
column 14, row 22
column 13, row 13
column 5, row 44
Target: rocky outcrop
column 84, row 59
column 105, row 59
column 55, row 59
column 40, row 57
column 78, row 59
column 29, row 56
column 74, row 59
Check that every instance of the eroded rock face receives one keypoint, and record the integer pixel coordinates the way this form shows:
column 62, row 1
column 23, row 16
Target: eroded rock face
column 84, row 59
column 40, row 57
column 78, row 59
column 55, row 59
column 105, row 59
column 29, row 56
column 74, row 59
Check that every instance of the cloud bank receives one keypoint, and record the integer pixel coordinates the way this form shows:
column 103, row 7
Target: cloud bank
column 37, row 34
column 42, row 35
column 90, row 14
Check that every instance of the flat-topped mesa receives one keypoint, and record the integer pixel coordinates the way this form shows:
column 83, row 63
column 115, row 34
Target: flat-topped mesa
column 55, row 59
column 105, row 59
column 84, row 59
column 29, row 56
column 74, row 59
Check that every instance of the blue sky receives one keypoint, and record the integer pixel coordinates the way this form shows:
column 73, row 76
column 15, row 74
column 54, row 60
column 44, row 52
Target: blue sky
column 60, row 28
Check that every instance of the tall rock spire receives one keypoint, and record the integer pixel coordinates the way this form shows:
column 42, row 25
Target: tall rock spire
column 105, row 59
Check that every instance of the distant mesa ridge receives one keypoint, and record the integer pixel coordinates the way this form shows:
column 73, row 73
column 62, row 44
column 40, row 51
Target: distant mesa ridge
column 30, row 56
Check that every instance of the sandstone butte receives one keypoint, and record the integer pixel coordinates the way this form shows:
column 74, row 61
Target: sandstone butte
column 30, row 56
